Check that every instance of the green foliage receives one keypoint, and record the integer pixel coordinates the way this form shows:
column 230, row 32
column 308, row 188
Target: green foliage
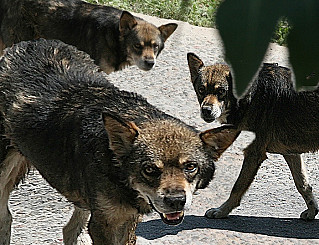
column 281, row 33
column 195, row 12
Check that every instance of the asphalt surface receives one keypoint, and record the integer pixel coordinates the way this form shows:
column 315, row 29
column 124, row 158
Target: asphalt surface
column 269, row 212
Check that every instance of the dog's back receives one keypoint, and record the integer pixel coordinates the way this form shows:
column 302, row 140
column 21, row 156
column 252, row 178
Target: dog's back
column 69, row 21
column 275, row 111
column 270, row 91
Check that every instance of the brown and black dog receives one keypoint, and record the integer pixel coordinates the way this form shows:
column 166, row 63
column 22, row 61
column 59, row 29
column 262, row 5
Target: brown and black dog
column 283, row 120
column 113, row 38
column 108, row 151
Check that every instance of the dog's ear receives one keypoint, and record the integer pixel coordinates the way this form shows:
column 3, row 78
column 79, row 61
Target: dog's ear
column 219, row 139
column 127, row 21
column 121, row 134
column 194, row 64
column 167, row 30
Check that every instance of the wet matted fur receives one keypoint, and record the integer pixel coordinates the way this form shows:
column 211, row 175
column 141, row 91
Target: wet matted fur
column 108, row 151
column 283, row 120
column 112, row 37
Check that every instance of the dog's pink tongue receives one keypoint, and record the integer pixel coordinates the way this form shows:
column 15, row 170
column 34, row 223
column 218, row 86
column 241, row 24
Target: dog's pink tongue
column 173, row 216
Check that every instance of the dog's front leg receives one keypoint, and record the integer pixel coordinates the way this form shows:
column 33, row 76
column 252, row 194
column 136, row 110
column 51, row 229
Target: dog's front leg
column 254, row 156
column 299, row 173
column 75, row 226
column 104, row 232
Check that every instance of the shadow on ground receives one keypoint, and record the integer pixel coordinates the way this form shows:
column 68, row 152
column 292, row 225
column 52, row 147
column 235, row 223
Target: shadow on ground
column 278, row 227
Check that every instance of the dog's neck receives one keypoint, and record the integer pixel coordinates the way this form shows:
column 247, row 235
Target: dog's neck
column 231, row 114
column 118, row 63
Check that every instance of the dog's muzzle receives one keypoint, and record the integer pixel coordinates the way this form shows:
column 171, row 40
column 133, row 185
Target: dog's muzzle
column 175, row 203
column 148, row 64
column 210, row 113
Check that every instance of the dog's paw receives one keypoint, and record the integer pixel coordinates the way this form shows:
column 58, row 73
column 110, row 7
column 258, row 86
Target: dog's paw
column 309, row 214
column 216, row 213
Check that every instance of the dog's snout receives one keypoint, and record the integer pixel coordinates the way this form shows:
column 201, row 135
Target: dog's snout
column 176, row 202
column 149, row 63
column 210, row 113
column 207, row 111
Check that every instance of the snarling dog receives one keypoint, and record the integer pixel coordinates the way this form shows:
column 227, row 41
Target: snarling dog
column 113, row 38
column 283, row 120
column 108, row 151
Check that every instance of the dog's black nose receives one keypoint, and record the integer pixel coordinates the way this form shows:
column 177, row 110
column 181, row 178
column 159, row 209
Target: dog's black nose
column 149, row 63
column 207, row 111
column 176, row 202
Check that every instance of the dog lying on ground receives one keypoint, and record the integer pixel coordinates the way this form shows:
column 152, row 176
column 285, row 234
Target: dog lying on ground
column 283, row 120
column 108, row 151
column 113, row 38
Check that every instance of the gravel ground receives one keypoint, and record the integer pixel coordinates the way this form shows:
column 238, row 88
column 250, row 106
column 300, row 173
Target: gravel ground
column 270, row 209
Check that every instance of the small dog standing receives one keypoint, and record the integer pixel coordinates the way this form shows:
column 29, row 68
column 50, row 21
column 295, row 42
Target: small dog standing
column 283, row 120
column 113, row 38
column 108, row 151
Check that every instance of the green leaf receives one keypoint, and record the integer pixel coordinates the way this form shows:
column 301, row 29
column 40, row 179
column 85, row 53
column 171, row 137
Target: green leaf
column 246, row 27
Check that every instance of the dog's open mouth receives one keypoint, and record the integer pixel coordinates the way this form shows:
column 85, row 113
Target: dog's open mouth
column 172, row 218
column 169, row 218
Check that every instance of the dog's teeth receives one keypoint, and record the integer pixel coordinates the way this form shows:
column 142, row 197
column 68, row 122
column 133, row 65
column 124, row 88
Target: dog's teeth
column 181, row 214
column 164, row 215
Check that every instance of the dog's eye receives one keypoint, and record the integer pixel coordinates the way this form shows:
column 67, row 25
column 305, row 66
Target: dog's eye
column 137, row 46
column 221, row 93
column 190, row 167
column 151, row 171
column 201, row 89
column 155, row 47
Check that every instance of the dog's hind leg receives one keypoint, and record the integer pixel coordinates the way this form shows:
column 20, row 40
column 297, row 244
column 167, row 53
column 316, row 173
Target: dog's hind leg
column 72, row 230
column 299, row 174
column 12, row 170
column 254, row 156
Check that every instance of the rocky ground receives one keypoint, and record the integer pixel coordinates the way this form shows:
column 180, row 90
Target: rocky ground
column 270, row 209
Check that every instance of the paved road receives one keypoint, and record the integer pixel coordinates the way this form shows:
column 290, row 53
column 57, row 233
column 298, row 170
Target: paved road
column 270, row 209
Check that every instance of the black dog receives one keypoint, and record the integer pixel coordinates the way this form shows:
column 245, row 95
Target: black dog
column 108, row 151
column 284, row 121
